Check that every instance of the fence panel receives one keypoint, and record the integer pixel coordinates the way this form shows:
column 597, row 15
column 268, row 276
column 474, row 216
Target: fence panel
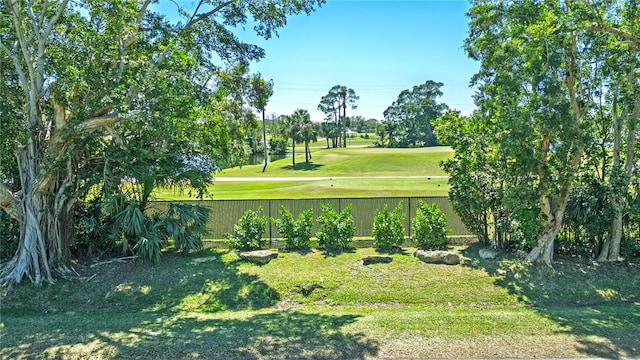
column 296, row 206
column 226, row 213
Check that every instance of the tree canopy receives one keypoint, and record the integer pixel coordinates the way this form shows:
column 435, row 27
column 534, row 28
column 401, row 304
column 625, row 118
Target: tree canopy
column 103, row 93
column 558, row 100
column 338, row 98
column 407, row 122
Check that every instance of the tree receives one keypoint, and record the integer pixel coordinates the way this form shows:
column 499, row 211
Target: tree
column 549, row 70
column 81, row 76
column 329, row 130
column 618, row 30
column 411, row 114
column 308, row 133
column 330, row 106
column 477, row 180
column 261, row 91
column 338, row 98
column 300, row 130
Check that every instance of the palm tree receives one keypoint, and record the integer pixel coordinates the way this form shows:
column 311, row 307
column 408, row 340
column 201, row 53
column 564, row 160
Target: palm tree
column 308, row 133
column 293, row 125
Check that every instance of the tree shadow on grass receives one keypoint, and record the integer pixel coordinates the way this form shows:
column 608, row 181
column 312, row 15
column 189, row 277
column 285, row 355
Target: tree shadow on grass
column 392, row 251
column 180, row 309
column 170, row 335
column 599, row 304
column 303, row 166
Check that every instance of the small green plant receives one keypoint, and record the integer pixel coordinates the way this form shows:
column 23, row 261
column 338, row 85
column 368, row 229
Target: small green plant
column 247, row 233
column 296, row 232
column 149, row 247
column 337, row 229
column 186, row 224
column 388, row 228
column 430, row 227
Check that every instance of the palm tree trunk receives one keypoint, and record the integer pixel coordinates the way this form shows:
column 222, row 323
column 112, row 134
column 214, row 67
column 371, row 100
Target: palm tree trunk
column 293, row 152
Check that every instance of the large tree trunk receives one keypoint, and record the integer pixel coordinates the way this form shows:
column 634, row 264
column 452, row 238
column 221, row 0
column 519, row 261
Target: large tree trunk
column 611, row 247
column 32, row 259
column 554, row 209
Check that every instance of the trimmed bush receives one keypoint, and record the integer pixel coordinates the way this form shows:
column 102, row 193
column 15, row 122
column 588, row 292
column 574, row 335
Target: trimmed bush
column 296, row 232
column 247, row 233
column 430, row 227
column 388, row 228
column 337, row 229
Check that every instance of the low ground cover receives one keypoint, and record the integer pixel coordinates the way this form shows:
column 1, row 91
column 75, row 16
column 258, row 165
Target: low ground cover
column 309, row 305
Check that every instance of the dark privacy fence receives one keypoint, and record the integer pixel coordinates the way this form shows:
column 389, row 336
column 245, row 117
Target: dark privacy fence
column 225, row 213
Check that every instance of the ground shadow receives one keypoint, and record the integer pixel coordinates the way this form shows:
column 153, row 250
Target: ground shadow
column 336, row 252
column 303, row 166
column 597, row 303
column 393, row 251
column 182, row 309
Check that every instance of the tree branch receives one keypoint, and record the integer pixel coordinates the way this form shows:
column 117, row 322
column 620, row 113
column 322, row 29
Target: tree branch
column 133, row 37
column 197, row 18
column 10, row 203
column 95, row 123
column 615, row 31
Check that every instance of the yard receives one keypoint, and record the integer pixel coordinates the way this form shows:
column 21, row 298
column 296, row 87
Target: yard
column 211, row 305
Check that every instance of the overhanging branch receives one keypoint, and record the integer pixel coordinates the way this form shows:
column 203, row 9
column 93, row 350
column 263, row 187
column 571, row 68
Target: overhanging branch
column 10, row 203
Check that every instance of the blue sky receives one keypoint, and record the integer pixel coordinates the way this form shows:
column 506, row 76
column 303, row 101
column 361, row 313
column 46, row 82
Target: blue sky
column 376, row 47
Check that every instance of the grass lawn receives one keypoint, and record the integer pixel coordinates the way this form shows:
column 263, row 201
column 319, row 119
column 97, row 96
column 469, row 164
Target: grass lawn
column 342, row 162
column 225, row 308
column 298, row 189
column 350, row 172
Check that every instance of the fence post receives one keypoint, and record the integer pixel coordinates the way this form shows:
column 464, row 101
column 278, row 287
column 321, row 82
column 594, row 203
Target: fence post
column 409, row 202
column 269, row 220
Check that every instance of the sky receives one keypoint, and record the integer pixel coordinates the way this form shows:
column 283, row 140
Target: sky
column 376, row 47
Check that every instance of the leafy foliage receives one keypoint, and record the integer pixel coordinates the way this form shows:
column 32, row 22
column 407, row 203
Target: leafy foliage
column 429, row 227
column 247, row 233
column 388, row 228
column 407, row 122
column 186, row 225
column 102, row 224
column 337, row 229
column 296, row 232
column 475, row 187
column 587, row 218
column 334, row 105
column 119, row 93
column 149, row 247
column 9, row 235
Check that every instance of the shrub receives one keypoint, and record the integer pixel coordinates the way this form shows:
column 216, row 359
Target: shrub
column 9, row 237
column 186, row 224
column 296, row 232
column 388, row 228
column 149, row 248
column 247, row 233
column 630, row 248
column 337, row 229
column 429, row 227
column 278, row 145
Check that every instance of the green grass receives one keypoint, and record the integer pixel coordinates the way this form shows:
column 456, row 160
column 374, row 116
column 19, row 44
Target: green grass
column 227, row 308
column 350, row 172
column 357, row 187
column 362, row 162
